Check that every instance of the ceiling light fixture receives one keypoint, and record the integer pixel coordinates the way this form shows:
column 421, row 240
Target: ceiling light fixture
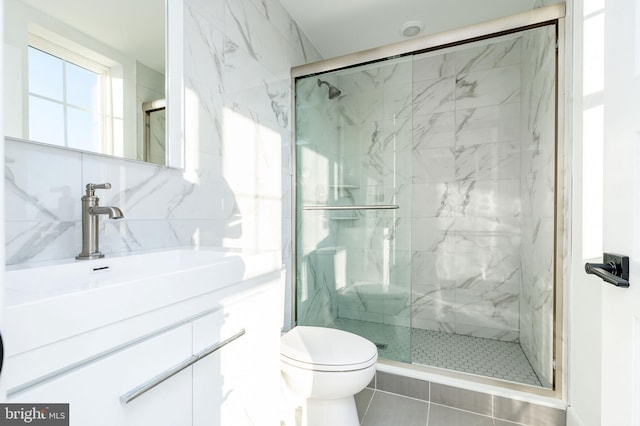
column 412, row 28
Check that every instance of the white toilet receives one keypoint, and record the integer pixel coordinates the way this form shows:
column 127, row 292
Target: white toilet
column 322, row 369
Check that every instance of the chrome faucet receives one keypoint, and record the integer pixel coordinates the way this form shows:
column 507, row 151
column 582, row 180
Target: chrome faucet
column 90, row 212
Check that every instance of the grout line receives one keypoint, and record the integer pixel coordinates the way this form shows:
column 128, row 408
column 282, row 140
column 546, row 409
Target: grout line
column 402, row 396
column 366, row 410
column 493, row 406
column 466, row 411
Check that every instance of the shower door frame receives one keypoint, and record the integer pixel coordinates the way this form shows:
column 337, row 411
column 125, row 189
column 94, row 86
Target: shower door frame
column 553, row 15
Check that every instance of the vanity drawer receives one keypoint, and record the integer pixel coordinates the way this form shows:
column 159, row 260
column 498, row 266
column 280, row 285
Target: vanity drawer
column 94, row 391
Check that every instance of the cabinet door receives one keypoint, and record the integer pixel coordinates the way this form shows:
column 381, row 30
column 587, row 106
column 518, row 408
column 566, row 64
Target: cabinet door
column 93, row 391
column 239, row 384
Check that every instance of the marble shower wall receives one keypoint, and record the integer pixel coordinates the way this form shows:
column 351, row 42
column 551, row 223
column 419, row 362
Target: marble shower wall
column 235, row 188
column 354, row 149
column 316, row 150
column 375, row 122
column 537, row 189
column 452, row 138
column 466, row 190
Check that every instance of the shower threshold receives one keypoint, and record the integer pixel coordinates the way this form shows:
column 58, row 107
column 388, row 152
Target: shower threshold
column 468, row 354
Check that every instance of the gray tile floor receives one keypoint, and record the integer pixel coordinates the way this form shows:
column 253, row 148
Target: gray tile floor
column 486, row 357
column 376, row 408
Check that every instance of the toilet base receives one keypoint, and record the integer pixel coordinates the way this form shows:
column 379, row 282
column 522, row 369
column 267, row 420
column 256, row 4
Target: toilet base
column 330, row 412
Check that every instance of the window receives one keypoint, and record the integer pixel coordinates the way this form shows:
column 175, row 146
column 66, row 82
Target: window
column 68, row 98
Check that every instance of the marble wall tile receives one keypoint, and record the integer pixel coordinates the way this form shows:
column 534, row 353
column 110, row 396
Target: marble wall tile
column 435, row 199
column 301, row 50
column 488, row 309
column 211, row 10
column 489, row 198
column 434, row 268
column 433, row 234
column 251, row 31
column 398, row 99
column 487, row 233
column 27, row 241
column 434, row 131
column 487, row 161
column 488, row 87
column 537, row 183
column 434, row 96
column 361, row 107
column 483, row 56
column 396, row 137
column 41, row 183
column 434, row 307
column 203, row 56
column 433, row 165
column 488, row 124
column 433, row 65
column 375, row 76
column 400, row 269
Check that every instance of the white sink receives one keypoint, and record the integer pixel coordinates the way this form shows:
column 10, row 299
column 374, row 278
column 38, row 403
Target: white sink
column 47, row 302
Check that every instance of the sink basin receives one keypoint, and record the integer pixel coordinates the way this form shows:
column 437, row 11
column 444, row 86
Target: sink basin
column 48, row 302
column 46, row 280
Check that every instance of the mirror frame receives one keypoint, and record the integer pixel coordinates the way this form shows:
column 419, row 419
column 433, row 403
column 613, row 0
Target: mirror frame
column 174, row 84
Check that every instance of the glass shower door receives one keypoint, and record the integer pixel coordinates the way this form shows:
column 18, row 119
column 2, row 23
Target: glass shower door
column 353, row 203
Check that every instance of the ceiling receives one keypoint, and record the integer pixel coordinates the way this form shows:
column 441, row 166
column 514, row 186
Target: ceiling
column 339, row 27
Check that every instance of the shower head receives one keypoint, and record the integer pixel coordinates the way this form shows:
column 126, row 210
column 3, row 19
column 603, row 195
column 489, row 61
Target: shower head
column 334, row 92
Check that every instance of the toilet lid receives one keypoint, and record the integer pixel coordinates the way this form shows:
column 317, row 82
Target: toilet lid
column 321, row 348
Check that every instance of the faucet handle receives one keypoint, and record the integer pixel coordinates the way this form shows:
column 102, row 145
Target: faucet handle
column 91, row 187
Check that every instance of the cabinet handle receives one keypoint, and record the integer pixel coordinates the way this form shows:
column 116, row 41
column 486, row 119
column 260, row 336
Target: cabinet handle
column 155, row 381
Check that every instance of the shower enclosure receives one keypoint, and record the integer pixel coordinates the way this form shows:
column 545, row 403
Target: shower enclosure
column 425, row 204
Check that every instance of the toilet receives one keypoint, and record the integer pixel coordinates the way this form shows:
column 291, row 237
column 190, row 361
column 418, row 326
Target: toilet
column 322, row 369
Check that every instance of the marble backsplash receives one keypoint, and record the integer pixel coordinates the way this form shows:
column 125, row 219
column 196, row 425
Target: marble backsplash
column 235, row 188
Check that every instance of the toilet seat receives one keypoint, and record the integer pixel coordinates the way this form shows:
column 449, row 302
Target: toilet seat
column 326, row 349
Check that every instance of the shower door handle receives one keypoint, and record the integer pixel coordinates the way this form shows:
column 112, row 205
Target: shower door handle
column 354, row 207
column 614, row 269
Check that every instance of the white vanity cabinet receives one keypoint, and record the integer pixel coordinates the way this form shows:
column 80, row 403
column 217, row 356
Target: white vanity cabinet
column 239, row 384
column 93, row 391
column 224, row 343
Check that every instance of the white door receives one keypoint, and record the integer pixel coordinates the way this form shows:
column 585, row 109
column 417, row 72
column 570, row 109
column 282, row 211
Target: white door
column 621, row 217
column 604, row 321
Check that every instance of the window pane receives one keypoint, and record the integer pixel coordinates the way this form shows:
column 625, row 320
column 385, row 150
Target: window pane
column 83, row 88
column 46, row 121
column 83, row 130
column 45, row 74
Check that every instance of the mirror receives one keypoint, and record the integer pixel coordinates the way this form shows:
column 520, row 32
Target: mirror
column 92, row 75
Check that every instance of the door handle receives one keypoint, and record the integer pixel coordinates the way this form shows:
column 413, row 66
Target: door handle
column 614, row 269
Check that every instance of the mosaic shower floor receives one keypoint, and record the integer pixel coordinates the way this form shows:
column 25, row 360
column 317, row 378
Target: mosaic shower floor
column 475, row 355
